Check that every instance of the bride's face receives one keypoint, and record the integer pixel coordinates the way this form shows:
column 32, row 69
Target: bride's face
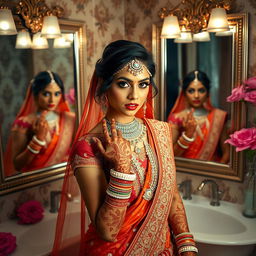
column 49, row 98
column 127, row 94
column 196, row 94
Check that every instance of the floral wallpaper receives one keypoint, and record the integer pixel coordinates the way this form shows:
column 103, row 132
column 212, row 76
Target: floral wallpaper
column 108, row 20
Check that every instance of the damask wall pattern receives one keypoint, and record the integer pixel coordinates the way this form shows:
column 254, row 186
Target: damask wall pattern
column 110, row 20
column 132, row 20
column 14, row 77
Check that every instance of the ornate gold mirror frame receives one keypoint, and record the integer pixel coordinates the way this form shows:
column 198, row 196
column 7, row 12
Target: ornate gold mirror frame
column 233, row 171
column 22, row 181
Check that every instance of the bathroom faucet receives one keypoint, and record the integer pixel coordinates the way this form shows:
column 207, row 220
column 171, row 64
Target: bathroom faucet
column 215, row 195
column 54, row 200
column 186, row 188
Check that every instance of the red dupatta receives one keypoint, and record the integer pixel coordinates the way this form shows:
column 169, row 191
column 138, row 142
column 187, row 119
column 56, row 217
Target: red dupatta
column 28, row 107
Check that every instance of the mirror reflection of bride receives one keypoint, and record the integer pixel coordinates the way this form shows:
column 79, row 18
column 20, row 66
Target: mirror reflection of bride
column 199, row 129
column 42, row 131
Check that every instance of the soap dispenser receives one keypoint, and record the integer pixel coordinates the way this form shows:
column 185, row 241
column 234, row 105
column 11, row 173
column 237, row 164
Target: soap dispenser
column 250, row 192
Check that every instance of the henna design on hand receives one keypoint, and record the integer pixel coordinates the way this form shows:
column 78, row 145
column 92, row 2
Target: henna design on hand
column 189, row 124
column 177, row 217
column 117, row 149
column 110, row 220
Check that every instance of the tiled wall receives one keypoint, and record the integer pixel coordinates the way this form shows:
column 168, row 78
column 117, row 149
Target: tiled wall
column 116, row 19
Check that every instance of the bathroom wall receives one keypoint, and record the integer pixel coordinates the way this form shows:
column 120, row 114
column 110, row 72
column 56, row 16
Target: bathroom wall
column 105, row 24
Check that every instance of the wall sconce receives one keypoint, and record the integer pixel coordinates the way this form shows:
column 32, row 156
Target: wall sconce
column 23, row 40
column 61, row 42
column 198, row 16
column 50, row 28
column 32, row 15
column 39, row 42
column 7, row 25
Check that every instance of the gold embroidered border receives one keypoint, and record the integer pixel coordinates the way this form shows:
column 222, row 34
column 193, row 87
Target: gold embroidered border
column 150, row 239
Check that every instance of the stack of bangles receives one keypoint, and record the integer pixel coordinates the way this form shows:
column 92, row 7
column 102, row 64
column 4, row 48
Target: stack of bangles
column 185, row 243
column 184, row 141
column 35, row 145
column 119, row 188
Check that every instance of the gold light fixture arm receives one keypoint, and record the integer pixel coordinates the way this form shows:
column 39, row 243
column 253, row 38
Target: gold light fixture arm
column 31, row 13
column 194, row 14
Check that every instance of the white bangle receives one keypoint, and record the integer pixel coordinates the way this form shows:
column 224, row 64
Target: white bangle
column 32, row 150
column 188, row 249
column 40, row 142
column 181, row 145
column 122, row 176
column 187, row 138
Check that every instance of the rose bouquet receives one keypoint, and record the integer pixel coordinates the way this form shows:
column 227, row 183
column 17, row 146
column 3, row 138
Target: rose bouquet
column 71, row 98
column 246, row 92
column 244, row 139
column 30, row 212
column 7, row 243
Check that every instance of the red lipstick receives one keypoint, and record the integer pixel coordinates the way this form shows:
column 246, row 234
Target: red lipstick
column 51, row 105
column 131, row 106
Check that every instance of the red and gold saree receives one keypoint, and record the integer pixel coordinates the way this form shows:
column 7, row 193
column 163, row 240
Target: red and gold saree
column 58, row 146
column 205, row 146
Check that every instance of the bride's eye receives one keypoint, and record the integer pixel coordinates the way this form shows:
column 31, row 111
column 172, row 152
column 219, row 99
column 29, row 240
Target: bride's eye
column 123, row 84
column 144, row 85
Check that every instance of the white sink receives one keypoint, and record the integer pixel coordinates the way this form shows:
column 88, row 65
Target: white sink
column 220, row 230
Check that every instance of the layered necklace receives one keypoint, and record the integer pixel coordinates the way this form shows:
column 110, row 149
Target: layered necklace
column 135, row 133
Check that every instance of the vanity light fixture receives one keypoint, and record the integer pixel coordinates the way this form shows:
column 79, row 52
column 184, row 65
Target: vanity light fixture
column 230, row 32
column 7, row 25
column 203, row 36
column 61, row 42
column 23, row 40
column 185, row 37
column 32, row 16
column 194, row 17
column 50, row 27
column 39, row 42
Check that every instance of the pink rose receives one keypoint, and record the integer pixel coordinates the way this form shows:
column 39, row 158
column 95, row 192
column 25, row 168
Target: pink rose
column 250, row 96
column 30, row 212
column 7, row 243
column 71, row 96
column 243, row 139
column 236, row 94
column 251, row 83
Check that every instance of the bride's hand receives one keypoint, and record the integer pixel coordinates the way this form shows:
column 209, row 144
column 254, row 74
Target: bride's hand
column 190, row 124
column 117, row 149
column 40, row 126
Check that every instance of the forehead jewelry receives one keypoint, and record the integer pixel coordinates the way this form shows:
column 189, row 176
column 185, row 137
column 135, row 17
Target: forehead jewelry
column 135, row 67
column 51, row 76
column 196, row 75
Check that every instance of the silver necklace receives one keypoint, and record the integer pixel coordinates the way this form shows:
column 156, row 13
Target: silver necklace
column 135, row 132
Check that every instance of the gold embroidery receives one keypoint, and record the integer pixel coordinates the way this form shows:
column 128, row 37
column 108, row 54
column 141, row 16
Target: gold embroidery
column 147, row 242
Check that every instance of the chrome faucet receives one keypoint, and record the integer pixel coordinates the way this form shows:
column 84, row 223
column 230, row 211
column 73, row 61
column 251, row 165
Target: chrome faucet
column 186, row 188
column 216, row 193
column 54, row 200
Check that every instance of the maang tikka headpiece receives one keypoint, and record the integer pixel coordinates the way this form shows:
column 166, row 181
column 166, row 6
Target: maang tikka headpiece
column 196, row 75
column 135, row 67
column 51, row 76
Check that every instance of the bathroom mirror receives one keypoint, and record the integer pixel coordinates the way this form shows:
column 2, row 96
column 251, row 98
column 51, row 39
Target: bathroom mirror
column 224, row 59
column 69, row 64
